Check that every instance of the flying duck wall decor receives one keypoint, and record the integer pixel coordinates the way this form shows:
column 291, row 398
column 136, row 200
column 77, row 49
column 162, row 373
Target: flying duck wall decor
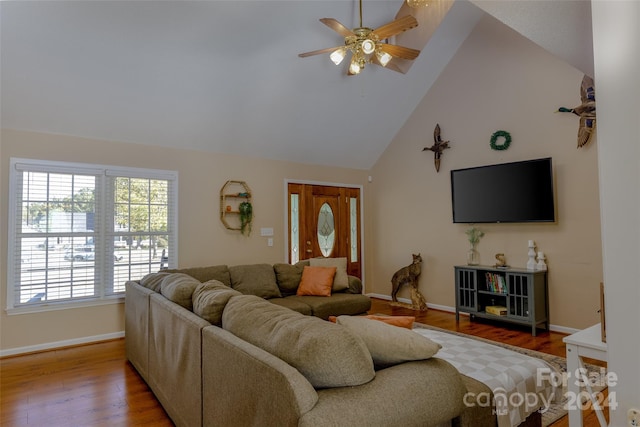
column 438, row 146
column 586, row 111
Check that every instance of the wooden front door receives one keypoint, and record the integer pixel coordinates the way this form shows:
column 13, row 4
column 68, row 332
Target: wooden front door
column 325, row 221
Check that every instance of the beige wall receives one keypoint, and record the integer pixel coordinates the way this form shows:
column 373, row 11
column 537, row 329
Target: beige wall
column 497, row 81
column 203, row 240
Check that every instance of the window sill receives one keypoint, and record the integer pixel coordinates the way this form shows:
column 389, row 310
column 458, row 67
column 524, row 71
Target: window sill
column 56, row 306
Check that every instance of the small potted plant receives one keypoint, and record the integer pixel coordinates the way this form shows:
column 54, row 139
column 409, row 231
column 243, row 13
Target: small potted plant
column 246, row 216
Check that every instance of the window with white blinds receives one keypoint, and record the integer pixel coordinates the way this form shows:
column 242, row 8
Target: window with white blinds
column 78, row 232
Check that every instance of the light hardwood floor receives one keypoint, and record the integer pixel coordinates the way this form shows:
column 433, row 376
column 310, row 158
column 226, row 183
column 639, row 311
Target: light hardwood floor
column 94, row 385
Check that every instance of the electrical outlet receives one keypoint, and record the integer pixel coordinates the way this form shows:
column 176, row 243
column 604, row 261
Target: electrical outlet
column 633, row 417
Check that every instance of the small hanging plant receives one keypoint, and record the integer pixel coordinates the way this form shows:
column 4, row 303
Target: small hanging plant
column 246, row 216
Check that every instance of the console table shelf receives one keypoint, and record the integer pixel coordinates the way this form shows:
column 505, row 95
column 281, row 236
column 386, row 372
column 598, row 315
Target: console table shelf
column 519, row 294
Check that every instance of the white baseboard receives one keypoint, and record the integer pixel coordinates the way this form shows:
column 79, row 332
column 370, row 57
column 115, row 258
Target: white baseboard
column 115, row 335
column 408, row 301
column 60, row 344
column 553, row 328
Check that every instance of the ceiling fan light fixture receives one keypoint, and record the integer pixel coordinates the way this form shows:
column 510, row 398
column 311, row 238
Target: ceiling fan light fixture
column 368, row 46
column 364, row 42
column 338, row 55
column 354, row 67
column 383, row 57
column 416, row 4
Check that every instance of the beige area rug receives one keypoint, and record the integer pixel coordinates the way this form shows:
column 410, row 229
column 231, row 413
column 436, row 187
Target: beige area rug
column 556, row 411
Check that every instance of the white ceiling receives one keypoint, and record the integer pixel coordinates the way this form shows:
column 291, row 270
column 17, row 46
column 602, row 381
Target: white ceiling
column 224, row 76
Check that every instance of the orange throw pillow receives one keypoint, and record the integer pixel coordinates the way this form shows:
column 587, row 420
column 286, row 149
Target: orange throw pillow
column 316, row 281
column 401, row 321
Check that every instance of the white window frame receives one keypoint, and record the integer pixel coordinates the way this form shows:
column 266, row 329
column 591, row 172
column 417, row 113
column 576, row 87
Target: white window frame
column 103, row 269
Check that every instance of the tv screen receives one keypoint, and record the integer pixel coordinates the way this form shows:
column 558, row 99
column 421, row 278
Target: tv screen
column 507, row 192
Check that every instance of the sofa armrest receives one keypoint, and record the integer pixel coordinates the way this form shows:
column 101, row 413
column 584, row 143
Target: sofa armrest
column 175, row 366
column 270, row 392
column 355, row 285
column 136, row 326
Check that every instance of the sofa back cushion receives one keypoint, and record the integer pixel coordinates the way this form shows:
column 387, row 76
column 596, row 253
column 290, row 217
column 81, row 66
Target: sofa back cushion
column 288, row 277
column 209, row 300
column 153, row 281
column 255, row 279
column 179, row 287
column 204, row 274
column 328, row 355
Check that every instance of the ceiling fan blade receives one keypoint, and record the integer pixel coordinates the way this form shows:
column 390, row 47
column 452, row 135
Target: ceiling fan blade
column 400, row 51
column 318, row 52
column 337, row 27
column 395, row 27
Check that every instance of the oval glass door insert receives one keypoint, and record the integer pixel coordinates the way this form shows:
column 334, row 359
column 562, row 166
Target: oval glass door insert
column 326, row 230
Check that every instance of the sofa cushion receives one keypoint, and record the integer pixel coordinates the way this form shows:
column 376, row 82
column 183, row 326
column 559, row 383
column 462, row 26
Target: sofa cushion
column 209, row 300
column 204, row 274
column 341, row 280
column 291, row 303
column 388, row 344
column 316, row 281
column 255, row 279
column 179, row 287
column 288, row 277
column 153, row 281
column 340, row 303
column 328, row 355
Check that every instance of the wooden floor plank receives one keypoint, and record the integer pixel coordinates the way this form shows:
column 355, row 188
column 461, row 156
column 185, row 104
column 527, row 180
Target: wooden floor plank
column 94, row 385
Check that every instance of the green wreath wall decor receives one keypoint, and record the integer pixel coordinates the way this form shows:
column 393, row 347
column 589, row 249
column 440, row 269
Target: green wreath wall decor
column 505, row 144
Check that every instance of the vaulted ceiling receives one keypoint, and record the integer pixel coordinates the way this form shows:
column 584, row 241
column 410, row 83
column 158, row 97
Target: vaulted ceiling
column 224, row 76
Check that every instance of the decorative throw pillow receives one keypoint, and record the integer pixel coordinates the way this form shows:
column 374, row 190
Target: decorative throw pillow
column 316, row 281
column 179, row 287
column 389, row 345
column 255, row 279
column 327, row 355
column 209, row 300
column 341, row 280
column 400, row 321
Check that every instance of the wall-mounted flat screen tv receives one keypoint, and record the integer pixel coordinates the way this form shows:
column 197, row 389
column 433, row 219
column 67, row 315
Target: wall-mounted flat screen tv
column 508, row 192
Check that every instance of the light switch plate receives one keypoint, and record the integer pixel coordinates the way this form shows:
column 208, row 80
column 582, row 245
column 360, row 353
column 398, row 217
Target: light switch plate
column 266, row 231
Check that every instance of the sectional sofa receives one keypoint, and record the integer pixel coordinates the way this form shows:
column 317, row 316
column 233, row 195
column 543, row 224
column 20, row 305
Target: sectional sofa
column 217, row 354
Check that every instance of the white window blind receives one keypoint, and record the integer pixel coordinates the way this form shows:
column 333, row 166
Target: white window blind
column 78, row 232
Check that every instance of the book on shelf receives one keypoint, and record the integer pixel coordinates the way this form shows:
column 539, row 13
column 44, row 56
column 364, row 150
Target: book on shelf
column 495, row 283
column 498, row 310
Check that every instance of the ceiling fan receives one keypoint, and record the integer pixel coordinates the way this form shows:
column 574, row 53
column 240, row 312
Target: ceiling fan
column 368, row 45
